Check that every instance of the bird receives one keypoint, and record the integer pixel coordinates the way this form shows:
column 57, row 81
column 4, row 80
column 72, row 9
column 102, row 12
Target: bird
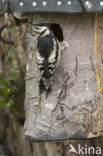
column 47, row 55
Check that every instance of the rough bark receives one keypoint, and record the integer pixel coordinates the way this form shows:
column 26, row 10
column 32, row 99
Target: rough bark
column 72, row 110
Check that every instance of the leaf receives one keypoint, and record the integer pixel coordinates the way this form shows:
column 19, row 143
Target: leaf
column 3, row 103
column 9, row 30
column 10, row 104
column 10, row 52
column 5, row 92
column 14, row 74
column 3, row 82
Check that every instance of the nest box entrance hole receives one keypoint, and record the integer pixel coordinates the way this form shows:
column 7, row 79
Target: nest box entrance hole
column 57, row 30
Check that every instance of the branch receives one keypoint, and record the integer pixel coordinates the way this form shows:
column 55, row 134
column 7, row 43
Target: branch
column 7, row 41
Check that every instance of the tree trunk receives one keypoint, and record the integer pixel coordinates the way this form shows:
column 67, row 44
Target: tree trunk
column 73, row 109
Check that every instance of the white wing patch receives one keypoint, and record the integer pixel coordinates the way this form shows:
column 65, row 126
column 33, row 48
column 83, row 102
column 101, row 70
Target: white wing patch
column 40, row 59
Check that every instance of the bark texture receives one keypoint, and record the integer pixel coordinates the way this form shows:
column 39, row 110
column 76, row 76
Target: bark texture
column 72, row 110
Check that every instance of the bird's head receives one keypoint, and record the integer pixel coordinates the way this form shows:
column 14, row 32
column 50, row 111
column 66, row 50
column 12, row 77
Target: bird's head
column 41, row 29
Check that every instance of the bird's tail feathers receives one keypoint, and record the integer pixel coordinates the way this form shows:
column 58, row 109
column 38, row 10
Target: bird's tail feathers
column 45, row 85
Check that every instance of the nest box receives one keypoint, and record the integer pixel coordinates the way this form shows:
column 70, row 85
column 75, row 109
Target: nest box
column 74, row 109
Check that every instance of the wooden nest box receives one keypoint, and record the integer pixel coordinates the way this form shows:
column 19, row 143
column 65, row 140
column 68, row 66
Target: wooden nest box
column 74, row 109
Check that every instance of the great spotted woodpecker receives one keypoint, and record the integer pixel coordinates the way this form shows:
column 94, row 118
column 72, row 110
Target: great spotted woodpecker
column 47, row 54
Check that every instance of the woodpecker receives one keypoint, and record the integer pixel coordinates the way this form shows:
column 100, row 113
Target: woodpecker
column 47, row 55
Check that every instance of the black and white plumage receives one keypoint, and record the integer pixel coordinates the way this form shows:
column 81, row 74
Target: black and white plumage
column 47, row 54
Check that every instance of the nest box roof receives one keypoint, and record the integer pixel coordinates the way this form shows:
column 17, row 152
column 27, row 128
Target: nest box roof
column 66, row 6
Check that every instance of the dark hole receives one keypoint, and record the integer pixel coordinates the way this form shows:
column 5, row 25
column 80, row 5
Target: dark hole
column 57, row 30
